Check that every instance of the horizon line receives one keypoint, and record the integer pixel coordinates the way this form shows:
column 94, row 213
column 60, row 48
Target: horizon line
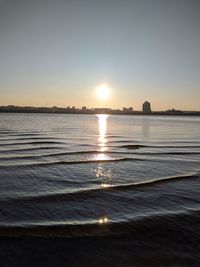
column 85, row 108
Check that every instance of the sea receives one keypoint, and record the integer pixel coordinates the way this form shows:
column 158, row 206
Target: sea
column 133, row 179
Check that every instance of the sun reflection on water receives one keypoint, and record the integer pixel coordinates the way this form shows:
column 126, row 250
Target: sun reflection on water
column 101, row 156
column 102, row 120
column 105, row 185
column 103, row 173
column 103, row 220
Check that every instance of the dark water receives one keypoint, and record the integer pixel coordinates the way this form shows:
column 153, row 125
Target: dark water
column 76, row 176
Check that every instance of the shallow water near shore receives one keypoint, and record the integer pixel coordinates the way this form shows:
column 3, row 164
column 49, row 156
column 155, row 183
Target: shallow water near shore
column 99, row 176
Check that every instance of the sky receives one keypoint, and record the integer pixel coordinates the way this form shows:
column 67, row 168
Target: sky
column 55, row 53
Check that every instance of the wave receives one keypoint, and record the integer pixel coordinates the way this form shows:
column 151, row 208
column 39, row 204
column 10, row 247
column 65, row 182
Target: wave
column 156, row 146
column 153, row 182
column 96, row 152
column 133, row 146
column 114, row 136
column 46, row 164
column 91, row 192
column 168, row 153
column 123, row 141
column 32, row 143
column 179, row 142
column 12, row 133
column 197, row 146
column 50, row 155
column 143, row 226
column 5, row 132
column 87, row 152
column 30, row 138
column 31, row 149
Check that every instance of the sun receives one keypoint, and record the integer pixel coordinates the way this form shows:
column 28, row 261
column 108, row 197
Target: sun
column 103, row 92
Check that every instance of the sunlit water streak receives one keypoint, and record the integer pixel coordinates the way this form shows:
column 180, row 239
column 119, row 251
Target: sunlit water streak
column 102, row 121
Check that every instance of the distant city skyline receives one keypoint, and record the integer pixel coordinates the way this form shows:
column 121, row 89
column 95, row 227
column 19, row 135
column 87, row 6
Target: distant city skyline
column 56, row 53
column 145, row 110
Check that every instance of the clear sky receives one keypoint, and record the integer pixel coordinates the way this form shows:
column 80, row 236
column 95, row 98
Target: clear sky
column 57, row 52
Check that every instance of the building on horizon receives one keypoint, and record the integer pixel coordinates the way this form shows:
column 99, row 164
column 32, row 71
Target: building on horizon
column 130, row 109
column 102, row 110
column 146, row 107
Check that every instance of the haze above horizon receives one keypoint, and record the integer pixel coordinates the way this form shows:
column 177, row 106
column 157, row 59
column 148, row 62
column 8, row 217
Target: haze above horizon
column 56, row 53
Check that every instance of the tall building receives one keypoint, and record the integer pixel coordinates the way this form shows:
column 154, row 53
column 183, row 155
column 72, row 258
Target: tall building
column 146, row 107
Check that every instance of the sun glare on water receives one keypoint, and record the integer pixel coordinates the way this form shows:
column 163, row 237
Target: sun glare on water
column 103, row 92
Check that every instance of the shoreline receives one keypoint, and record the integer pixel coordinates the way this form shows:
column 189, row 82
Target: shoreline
column 188, row 114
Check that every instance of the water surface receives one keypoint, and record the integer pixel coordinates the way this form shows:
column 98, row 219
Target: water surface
column 78, row 172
